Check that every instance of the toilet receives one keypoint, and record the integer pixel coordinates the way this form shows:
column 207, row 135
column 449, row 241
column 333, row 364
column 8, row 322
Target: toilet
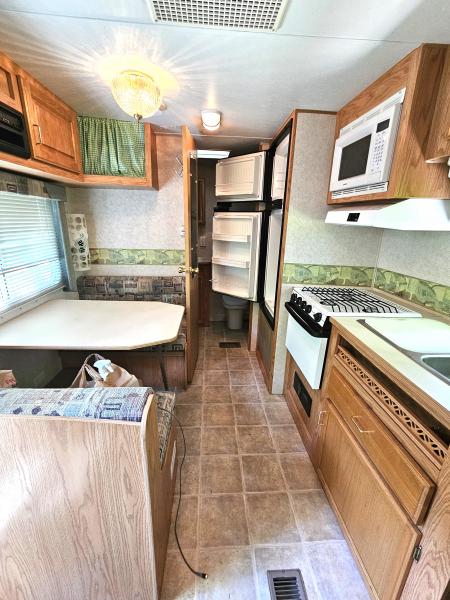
column 235, row 310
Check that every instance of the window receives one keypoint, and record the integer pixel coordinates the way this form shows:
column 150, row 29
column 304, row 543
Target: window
column 31, row 255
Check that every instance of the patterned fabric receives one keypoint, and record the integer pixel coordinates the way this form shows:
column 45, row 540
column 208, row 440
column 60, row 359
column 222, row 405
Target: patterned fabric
column 112, row 147
column 166, row 401
column 136, row 256
column 169, row 289
column 118, row 404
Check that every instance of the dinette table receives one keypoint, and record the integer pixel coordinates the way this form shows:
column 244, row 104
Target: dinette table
column 94, row 325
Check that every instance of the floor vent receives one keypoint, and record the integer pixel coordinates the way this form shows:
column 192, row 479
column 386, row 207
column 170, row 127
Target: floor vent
column 230, row 344
column 286, row 585
column 255, row 15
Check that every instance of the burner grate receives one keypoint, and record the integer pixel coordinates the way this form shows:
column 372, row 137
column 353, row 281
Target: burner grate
column 352, row 300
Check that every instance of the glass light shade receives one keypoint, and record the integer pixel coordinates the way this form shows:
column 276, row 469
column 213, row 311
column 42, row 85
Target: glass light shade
column 211, row 119
column 136, row 93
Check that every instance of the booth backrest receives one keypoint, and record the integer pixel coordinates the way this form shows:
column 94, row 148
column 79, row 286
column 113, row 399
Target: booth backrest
column 121, row 287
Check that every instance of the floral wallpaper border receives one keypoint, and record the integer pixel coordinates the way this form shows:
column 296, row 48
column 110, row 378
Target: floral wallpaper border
column 135, row 256
column 328, row 274
column 432, row 295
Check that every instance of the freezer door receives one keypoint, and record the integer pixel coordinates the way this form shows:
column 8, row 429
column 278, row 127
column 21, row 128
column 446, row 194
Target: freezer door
column 241, row 177
column 236, row 240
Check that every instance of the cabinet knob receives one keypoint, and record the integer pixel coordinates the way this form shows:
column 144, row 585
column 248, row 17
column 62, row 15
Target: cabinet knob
column 358, row 426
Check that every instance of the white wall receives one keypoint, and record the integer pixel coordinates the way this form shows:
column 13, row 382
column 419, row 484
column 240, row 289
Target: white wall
column 137, row 219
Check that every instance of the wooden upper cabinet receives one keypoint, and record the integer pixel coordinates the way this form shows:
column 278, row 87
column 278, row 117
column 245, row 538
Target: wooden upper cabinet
column 9, row 89
column 52, row 126
column 438, row 149
column 410, row 176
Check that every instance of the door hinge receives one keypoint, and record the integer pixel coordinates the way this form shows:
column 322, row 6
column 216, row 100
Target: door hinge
column 417, row 553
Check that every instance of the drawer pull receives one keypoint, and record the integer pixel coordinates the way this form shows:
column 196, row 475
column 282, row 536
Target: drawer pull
column 358, row 427
column 319, row 420
column 39, row 136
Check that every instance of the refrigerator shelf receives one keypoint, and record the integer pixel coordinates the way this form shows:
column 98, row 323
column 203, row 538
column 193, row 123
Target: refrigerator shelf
column 231, row 262
column 229, row 237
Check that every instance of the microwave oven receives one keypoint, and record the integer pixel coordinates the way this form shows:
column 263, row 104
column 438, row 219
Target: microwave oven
column 13, row 132
column 364, row 149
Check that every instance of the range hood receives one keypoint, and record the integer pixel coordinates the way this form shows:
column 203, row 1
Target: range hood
column 412, row 214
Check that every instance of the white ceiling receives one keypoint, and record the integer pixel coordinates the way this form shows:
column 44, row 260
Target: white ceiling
column 324, row 52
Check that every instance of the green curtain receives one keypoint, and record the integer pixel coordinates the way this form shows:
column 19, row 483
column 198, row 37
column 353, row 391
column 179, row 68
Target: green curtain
column 111, row 147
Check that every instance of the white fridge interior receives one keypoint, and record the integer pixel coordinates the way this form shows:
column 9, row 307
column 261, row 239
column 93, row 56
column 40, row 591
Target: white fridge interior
column 279, row 169
column 235, row 256
column 273, row 250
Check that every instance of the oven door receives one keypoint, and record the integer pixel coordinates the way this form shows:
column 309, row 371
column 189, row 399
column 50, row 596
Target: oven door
column 307, row 350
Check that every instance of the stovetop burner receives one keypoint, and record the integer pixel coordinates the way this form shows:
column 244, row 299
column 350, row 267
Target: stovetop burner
column 320, row 302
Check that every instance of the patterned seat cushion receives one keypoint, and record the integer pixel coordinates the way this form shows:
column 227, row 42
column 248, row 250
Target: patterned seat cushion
column 169, row 289
column 166, row 402
column 115, row 403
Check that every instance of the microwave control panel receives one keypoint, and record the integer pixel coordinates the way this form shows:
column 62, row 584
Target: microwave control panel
column 380, row 137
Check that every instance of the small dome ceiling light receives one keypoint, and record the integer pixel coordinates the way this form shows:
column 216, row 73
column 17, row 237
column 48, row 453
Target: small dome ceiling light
column 211, row 119
column 136, row 93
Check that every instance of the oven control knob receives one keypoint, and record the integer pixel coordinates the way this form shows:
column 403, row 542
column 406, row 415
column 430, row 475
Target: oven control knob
column 308, row 308
column 317, row 316
column 294, row 297
column 303, row 304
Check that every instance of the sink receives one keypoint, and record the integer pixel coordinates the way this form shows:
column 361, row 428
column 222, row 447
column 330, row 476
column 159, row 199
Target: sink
column 438, row 363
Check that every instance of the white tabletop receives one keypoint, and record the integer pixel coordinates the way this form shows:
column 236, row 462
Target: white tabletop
column 93, row 325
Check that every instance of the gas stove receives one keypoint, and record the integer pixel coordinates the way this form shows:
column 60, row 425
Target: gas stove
column 317, row 303
column 308, row 329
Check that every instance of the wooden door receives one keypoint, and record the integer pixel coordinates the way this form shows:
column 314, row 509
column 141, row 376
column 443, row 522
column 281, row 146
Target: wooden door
column 381, row 532
column 9, row 89
column 52, row 126
column 191, row 267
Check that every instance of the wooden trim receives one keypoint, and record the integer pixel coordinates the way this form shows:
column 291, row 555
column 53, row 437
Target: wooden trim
column 283, row 242
column 188, row 144
column 11, row 99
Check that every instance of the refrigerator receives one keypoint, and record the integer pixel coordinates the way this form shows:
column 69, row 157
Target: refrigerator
column 246, row 233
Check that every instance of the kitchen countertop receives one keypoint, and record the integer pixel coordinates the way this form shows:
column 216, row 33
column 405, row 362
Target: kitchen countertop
column 436, row 393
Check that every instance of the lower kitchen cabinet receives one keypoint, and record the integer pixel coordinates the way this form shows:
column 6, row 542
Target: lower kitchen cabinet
column 379, row 530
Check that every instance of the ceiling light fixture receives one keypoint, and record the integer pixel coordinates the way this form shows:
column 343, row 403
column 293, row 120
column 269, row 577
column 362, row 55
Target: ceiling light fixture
column 211, row 119
column 136, row 93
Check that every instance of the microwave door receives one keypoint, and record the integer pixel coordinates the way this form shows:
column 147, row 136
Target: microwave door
column 235, row 261
column 363, row 156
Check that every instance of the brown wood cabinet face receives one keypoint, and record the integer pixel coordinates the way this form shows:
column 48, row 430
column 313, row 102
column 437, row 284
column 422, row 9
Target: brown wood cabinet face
column 438, row 149
column 412, row 487
column 410, row 176
column 52, row 126
column 380, row 532
column 9, row 89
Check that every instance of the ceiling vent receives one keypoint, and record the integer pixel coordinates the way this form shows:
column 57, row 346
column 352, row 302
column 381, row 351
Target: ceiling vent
column 249, row 15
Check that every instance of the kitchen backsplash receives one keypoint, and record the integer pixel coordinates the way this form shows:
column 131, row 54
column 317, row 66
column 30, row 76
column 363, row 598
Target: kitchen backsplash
column 432, row 295
column 136, row 256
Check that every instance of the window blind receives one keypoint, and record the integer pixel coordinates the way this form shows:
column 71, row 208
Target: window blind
column 30, row 252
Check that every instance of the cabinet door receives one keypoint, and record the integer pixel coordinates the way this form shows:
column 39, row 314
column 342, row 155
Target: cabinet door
column 241, row 176
column 382, row 534
column 9, row 90
column 438, row 149
column 52, row 126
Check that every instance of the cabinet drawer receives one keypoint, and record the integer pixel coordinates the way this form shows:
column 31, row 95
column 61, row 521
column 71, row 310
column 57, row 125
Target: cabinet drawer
column 381, row 533
column 413, row 488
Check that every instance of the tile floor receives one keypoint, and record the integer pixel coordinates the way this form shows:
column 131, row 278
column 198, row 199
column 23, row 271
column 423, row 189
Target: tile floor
column 251, row 498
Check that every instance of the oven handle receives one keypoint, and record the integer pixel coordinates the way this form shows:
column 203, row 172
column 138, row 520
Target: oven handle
column 318, row 333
